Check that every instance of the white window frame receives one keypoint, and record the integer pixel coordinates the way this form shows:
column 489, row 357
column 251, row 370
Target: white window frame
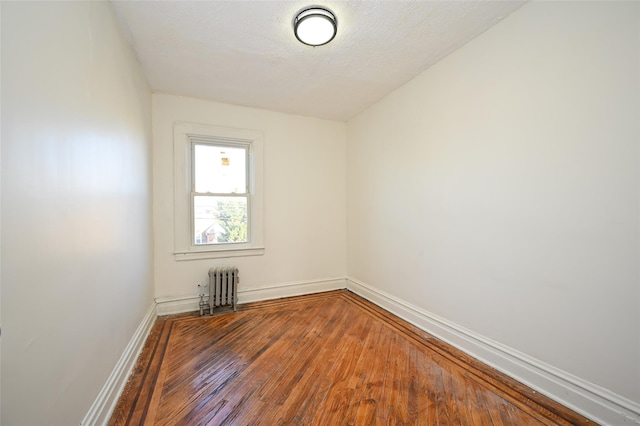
column 185, row 134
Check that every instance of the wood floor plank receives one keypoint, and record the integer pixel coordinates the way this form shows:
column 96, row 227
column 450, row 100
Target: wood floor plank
column 313, row 385
column 339, row 396
column 243, row 375
column 373, row 377
column 211, row 374
column 325, row 359
column 290, row 352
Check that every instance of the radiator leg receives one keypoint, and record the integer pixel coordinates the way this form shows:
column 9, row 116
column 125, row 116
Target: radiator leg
column 234, row 297
column 212, row 291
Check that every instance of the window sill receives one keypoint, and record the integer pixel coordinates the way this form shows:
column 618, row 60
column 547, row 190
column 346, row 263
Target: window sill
column 218, row 254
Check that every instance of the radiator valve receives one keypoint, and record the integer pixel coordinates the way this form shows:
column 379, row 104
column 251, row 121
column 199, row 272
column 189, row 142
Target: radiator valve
column 203, row 305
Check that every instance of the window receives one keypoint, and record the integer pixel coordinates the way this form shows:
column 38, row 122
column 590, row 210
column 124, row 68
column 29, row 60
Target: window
column 218, row 192
column 220, row 196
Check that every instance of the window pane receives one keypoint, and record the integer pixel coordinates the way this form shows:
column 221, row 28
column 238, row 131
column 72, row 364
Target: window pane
column 220, row 169
column 219, row 220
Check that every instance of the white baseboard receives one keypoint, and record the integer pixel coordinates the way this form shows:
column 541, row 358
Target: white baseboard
column 291, row 289
column 176, row 305
column 588, row 399
column 105, row 403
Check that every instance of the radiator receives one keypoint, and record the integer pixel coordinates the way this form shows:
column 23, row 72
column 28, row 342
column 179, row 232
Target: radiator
column 223, row 288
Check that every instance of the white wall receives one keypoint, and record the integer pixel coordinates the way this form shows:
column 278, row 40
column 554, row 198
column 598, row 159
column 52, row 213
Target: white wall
column 500, row 189
column 304, row 190
column 76, row 207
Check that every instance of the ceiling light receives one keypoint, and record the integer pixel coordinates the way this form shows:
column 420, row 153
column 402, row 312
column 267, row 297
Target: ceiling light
column 315, row 26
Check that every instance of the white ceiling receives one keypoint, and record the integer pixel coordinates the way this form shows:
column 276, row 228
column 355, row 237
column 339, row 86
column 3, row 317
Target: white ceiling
column 245, row 53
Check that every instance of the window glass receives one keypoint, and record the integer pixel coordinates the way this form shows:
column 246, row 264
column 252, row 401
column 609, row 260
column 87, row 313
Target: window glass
column 219, row 219
column 220, row 169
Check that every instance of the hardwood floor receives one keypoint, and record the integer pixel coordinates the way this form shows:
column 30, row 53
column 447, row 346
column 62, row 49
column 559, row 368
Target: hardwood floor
column 324, row 359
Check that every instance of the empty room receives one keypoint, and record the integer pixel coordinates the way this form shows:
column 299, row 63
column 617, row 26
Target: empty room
column 215, row 212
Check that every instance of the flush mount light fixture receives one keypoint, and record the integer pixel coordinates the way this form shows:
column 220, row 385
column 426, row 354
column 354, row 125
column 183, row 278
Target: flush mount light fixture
column 315, row 26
